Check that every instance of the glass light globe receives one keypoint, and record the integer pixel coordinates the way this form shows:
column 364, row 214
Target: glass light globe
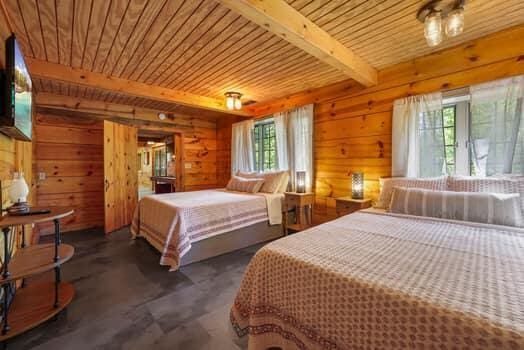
column 238, row 103
column 433, row 29
column 230, row 103
column 455, row 22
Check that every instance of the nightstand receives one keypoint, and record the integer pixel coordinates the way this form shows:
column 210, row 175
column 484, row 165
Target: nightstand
column 302, row 203
column 348, row 205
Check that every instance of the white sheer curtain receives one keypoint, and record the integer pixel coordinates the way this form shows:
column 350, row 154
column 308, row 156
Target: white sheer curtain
column 294, row 138
column 412, row 137
column 497, row 129
column 242, row 147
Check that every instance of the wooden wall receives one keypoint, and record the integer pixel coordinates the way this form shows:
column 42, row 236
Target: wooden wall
column 224, row 149
column 199, row 147
column 353, row 132
column 70, row 153
column 69, row 149
column 14, row 155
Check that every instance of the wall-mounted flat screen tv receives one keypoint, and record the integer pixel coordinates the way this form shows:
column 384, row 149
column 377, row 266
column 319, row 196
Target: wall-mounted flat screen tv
column 16, row 118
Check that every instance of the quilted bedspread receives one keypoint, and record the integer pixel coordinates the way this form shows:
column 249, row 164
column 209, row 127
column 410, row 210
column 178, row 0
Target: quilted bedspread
column 171, row 222
column 374, row 280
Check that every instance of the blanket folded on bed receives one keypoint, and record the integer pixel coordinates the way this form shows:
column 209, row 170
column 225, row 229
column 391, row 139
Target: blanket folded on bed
column 171, row 222
column 382, row 281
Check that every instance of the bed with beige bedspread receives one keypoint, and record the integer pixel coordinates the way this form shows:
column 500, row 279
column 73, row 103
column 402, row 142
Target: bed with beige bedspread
column 172, row 222
column 373, row 280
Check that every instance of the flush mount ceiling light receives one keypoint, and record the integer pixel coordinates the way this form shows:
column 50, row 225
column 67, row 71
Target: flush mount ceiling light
column 161, row 116
column 233, row 100
column 437, row 12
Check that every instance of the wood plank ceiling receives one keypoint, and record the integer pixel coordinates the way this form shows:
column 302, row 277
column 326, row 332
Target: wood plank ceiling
column 200, row 46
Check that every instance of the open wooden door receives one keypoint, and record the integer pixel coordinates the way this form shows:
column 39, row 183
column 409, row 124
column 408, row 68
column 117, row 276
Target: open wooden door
column 179, row 161
column 120, row 175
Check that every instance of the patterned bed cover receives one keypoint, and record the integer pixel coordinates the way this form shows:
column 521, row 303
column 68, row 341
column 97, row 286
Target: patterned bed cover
column 372, row 280
column 171, row 222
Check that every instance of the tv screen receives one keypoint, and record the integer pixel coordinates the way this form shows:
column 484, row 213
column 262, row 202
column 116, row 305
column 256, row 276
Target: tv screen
column 17, row 118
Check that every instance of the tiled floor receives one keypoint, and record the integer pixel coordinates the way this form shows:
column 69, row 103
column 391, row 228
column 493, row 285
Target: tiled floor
column 126, row 300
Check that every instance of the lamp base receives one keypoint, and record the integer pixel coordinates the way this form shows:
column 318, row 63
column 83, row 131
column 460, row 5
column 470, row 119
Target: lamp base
column 17, row 208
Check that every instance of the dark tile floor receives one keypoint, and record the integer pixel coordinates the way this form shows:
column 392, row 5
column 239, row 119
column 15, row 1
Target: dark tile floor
column 126, row 300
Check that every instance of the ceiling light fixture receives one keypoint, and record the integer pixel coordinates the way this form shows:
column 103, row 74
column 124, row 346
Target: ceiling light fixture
column 233, row 100
column 161, row 116
column 434, row 13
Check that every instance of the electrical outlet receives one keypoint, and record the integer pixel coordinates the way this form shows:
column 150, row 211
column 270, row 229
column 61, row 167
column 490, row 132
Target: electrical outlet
column 187, row 165
column 41, row 176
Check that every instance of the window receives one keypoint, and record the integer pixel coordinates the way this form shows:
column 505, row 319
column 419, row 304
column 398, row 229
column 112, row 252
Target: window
column 485, row 141
column 265, row 147
column 443, row 141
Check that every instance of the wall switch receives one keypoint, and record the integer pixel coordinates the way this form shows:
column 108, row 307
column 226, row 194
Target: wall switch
column 41, row 176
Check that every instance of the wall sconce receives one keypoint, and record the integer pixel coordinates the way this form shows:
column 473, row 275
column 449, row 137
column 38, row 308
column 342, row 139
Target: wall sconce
column 357, row 185
column 233, row 100
column 434, row 13
column 301, row 181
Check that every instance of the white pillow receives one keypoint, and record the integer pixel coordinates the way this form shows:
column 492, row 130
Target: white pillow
column 489, row 208
column 387, row 184
column 272, row 180
column 240, row 184
column 494, row 184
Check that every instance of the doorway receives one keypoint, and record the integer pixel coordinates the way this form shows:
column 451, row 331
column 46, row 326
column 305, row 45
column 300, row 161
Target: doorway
column 159, row 169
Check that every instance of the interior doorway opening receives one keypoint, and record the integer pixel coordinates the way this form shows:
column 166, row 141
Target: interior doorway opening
column 158, row 168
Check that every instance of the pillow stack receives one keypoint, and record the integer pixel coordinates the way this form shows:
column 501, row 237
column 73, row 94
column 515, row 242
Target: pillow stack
column 274, row 182
column 270, row 182
column 241, row 184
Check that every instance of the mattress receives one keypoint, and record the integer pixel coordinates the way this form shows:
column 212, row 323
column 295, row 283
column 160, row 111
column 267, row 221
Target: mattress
column 172, row 222
column 372, row 280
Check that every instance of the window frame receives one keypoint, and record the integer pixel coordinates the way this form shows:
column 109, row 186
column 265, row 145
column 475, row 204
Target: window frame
column 258, row 145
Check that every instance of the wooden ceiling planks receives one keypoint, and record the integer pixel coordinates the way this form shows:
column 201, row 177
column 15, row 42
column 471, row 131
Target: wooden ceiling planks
column 384, row 33
column 89, row 93
column 201, row 47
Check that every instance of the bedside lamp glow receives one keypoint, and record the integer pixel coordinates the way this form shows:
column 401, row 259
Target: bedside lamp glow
column 301, row 181
column 18, row 192
column 357, row 185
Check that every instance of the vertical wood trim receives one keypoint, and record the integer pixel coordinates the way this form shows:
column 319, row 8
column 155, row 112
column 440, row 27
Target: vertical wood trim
column 179, row 162
column 109, row 188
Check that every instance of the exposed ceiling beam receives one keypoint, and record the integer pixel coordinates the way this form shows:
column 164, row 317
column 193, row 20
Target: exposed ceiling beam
column 114, row 111
column 284, row 21
column 53, row 71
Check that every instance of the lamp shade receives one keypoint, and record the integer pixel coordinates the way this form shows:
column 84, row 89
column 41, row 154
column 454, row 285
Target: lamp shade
column 301, row 181
column 357, row 185
column 455, row 22
column 18, row 191
column 433, row 29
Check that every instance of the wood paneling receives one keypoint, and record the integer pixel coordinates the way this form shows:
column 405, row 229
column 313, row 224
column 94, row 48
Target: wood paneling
column 353, row 132
column 203, row 48
column 224, row 150
column 416, row 74
column 14, row 155
column 60, row 73
column 69, row 151
column 284, row 21
column 120, row 175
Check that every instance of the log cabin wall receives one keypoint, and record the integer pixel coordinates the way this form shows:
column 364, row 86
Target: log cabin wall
column 14, row 155
column 199, row 147
column 224, row 126
column 69, row 151
column 353, row 131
